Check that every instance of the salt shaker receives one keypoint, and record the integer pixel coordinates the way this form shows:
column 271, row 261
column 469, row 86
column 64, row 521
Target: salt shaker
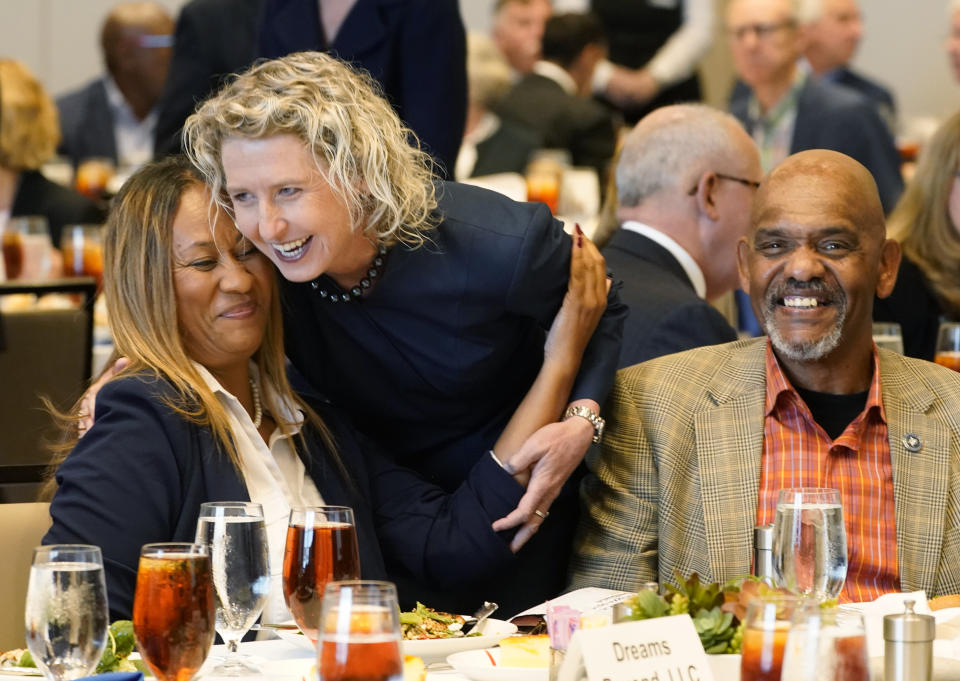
column 763, row 552
column 908, row 645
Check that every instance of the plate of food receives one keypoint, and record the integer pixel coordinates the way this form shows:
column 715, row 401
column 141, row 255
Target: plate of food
column 118, row 655
column 519, row 658
column 433, row 635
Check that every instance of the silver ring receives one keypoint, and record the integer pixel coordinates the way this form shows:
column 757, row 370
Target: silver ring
column 541, row 514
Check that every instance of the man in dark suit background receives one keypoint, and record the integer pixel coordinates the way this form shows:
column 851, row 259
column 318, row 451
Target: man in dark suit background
column 114, row 117
column 786, row 110
column 685, row 181
column 416, row 49
column 553, row 100
column 832, row 31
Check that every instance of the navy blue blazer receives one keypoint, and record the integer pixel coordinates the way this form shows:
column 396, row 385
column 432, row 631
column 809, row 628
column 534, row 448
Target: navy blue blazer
column 416, row 50
column 834, row 117
column 666, row 314
column 86, row 124
column 140, row 474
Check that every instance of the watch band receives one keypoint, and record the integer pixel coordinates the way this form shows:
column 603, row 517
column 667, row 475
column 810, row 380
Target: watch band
column 590, row 415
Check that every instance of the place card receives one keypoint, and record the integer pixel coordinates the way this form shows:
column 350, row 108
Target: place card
column 661, row 649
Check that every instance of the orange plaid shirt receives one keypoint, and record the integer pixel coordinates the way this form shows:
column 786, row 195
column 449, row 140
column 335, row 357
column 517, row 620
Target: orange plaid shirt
column 797, row 452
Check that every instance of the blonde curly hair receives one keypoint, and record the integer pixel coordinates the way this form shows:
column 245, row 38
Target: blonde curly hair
column 360, row 146
column 29, row 125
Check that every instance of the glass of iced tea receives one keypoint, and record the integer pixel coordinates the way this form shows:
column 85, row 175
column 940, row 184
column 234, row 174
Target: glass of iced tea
column 948, row 346
column 82, row 248
column 321, row 547
column 765, row 632
column 826, row 643
column 359, row 635
column 173, row 609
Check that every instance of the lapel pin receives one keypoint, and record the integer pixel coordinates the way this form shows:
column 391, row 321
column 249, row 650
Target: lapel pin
column 912, row 443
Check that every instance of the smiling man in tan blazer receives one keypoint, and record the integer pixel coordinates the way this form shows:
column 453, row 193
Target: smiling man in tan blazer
column 699, row 443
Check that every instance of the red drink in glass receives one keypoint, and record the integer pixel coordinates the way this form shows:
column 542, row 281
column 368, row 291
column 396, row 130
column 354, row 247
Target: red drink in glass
column 317, row 552
column 173, row 610
column 361, row 660
column 762, row 653
column 359, row 636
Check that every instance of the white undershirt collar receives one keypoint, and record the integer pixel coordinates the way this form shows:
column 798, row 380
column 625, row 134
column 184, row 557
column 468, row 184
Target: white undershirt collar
column 557, row 74
column 689, row 265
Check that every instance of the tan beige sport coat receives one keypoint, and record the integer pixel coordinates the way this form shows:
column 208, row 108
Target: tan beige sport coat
column 674, row 486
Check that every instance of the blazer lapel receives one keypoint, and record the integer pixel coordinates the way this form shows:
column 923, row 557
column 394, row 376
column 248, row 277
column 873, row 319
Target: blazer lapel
column 920, row 478
column 729, row 444
column 362, row 30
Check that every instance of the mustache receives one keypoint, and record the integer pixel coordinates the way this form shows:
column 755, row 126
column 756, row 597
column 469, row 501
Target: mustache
column 817, row 288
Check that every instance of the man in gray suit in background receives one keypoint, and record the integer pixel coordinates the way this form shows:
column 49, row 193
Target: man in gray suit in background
column 685, row 181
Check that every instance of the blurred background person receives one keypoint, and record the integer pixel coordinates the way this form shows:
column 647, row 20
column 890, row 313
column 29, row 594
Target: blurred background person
column 554, row 99
column 115, row 116
column 518, row 31
column 490, row 144
column 953, row 40
column 832, row 31
column 926, row 222
column 655, row 47
column 29, row 134
column 416, row 50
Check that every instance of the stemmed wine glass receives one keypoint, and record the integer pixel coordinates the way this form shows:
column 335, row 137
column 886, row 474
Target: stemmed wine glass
column 321, row 547
column 359, row 635
column 173, row 609
column 236, row 536
column 810, row 542
column 66, row 611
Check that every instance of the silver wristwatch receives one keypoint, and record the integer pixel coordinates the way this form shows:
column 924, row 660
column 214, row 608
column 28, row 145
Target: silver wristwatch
column 593, row 417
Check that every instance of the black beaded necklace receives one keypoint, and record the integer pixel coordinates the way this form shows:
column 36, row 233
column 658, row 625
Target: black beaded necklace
column 373, row 271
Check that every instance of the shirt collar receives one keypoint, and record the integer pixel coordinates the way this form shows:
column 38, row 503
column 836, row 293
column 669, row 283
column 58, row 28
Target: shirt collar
column 778, row 384
column 119, row 106
column 486, row 128
column 786, row 104
column 557, row 74
column 689, row 265
column 286, row 411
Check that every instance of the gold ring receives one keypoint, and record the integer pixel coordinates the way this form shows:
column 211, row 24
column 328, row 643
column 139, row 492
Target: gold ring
column 541, row 514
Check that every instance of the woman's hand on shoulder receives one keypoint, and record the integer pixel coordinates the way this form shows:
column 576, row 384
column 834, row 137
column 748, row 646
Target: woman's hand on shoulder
column 89, row 399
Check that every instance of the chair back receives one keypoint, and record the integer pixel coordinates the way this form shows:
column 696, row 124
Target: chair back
column 44, row 352
column 22, row 526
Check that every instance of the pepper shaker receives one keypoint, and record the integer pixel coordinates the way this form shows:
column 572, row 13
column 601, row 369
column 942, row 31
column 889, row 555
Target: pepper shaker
column 908, row 645
column 763, row 552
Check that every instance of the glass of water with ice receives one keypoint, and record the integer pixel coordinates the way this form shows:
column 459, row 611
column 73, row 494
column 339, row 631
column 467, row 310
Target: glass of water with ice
column 66, row 611
column 826, row 643
column 809, row 542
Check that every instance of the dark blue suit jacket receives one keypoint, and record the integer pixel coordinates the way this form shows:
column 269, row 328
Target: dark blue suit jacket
column 416, row 49
column 434, row 361
column 834, row 117
column 141, row 473
column 666, row 315
column 86, row 124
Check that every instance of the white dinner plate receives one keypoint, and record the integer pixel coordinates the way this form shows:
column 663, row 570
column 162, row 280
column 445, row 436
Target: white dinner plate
column 484, row 665
column 435, row 649
column 294, row 637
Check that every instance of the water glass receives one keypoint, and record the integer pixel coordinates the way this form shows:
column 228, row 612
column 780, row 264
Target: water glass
column 27, row 247
column 235, row 534
column 359, row 634
column 321, row 547
column 810, row 542
column 948, row 346
column 173, row 609
column 888, row 335
column 66, row 611
column 826, row 643
column 766, row 626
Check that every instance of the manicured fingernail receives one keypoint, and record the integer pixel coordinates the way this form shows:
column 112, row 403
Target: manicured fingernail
column 576, row 226
column 579, row 242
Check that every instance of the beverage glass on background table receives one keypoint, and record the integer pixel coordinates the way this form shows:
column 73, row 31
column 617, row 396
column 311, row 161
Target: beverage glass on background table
column 948, row 346
column 66, row 611
column 321, row 547
column 236, row 536
column 82, row 248
column 810, row 542
column 359, row 635
column 544, row 176
column 26, row 248
column 93, row 175
column 888, row 335
column 826, row 644
column 765, row 632
column 173, row 609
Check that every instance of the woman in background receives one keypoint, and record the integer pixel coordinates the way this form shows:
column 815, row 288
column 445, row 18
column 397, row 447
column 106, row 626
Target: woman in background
column 926, row 222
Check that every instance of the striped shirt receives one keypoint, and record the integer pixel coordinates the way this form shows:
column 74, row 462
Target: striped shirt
column 797, row 452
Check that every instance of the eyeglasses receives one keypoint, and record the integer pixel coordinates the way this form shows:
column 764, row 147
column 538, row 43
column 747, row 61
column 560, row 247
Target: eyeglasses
column 761, row 31
column 733, row 178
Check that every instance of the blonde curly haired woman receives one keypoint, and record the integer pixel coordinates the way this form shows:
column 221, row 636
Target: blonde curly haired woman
column 420, row 306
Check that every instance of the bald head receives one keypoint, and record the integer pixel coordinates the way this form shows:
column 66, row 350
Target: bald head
column 821, row 180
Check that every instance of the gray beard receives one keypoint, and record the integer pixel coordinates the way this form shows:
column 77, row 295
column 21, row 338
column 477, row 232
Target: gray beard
column 807, row 350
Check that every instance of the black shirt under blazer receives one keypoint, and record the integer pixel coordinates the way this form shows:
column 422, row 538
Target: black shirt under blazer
column 666, row 314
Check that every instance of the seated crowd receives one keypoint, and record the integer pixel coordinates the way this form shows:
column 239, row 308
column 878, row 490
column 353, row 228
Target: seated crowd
column 306, row 311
